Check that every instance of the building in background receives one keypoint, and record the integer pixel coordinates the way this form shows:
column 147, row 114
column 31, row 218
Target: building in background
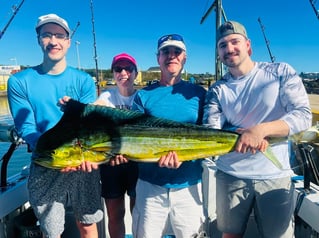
column 5, row 72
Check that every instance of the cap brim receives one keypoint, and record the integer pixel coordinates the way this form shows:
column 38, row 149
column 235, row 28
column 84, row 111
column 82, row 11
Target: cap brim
column 66, row 28
column 174, row 43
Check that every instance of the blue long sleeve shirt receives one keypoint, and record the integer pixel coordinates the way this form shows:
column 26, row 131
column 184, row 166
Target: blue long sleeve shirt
column 33, row 98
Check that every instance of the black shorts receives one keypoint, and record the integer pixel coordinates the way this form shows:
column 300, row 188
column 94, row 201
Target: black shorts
column 119, row 179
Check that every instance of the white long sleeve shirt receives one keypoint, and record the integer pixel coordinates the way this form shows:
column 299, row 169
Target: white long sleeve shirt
column 270, row 91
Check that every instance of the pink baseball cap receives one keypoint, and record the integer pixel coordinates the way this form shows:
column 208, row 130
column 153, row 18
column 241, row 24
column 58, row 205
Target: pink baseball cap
column 123, row 57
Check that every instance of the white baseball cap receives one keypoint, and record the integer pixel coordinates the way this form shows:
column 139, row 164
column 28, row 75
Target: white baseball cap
column 171, row 40
column 52, row 18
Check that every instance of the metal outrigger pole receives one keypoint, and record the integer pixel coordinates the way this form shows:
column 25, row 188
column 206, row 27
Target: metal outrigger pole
column 313, row 2
column 76, row 27
column 217, row 5
column 15, row 11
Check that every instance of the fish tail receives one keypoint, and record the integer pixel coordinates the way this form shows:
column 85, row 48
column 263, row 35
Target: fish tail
column 272, row 157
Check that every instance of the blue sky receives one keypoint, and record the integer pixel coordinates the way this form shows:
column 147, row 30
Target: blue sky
column 291, row 27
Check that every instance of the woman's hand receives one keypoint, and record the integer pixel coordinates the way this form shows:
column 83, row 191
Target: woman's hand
column 117, row 160
column 85, row 166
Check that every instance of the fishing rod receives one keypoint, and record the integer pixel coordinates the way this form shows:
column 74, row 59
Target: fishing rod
column 218, row 63
column 15, row 11
column 272, row 58
column 95, row 52
column 8, row 134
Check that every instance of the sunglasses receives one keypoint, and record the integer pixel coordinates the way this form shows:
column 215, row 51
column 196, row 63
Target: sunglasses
column 166, row 51
column 118, row 69
column 169, row 37
column 49, row 35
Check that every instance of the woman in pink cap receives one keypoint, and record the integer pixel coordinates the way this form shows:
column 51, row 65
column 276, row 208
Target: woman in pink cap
column 119, row 179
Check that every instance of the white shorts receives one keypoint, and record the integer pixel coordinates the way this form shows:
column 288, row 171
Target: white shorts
column 158, row 210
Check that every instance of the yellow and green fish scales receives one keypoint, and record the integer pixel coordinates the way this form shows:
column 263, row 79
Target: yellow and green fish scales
column 97, row 133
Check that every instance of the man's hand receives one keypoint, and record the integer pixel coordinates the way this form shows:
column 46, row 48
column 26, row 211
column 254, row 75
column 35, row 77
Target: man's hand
column 170, row 161
column 62, row 102
column 251, row 140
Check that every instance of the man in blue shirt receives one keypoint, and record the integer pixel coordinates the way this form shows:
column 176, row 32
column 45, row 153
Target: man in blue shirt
column 33, row 95
column 168, row 193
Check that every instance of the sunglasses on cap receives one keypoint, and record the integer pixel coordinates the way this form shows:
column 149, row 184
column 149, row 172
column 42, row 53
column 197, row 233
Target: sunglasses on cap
column 118, row 69
column 169, row 37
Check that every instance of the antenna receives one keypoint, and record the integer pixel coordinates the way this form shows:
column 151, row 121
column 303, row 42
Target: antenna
column 15, row 11
column 95, row 53
column 313, row 2
column 272, row 58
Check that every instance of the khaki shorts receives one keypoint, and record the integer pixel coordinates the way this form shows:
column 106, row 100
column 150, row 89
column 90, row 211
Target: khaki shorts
column 271, row 201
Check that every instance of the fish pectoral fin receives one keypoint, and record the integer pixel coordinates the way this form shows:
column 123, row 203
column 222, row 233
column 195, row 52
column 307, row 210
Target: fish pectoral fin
column 272, row 157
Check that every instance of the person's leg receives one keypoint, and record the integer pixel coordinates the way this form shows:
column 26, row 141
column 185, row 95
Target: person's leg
column 275, row 199
column 116, row 181
column 234, row 202
column 88, row 230
column 85, row 199
column 228, row 235
column 48, row 197
column 51, row 224
column 150, row 213
column 116, row 212
column 131, row 180
column 132, row 203
column 186, row 211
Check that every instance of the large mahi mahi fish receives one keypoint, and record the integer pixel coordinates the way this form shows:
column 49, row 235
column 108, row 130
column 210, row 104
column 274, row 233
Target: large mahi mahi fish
column 96, row 133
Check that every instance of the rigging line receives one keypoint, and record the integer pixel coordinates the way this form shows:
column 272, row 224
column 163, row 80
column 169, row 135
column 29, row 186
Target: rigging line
column 15, row 11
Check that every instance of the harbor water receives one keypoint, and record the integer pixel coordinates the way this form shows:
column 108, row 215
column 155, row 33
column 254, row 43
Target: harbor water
column 20, row 157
